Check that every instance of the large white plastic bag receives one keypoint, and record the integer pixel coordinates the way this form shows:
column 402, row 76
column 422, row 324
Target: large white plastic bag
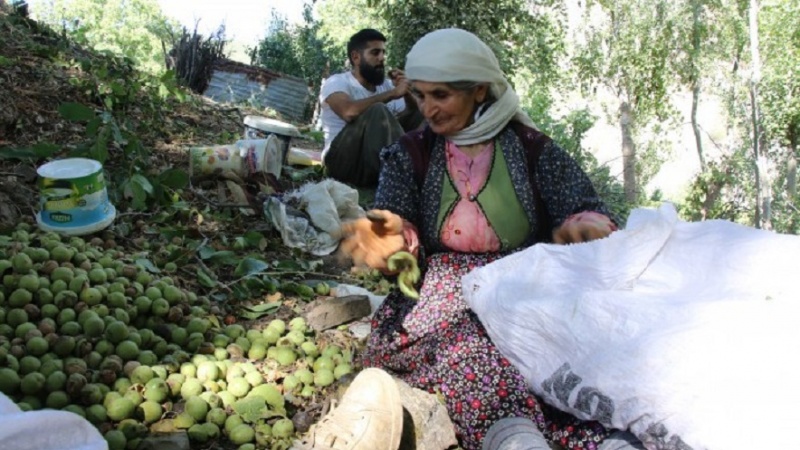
column 684, row 333
column 46, row 430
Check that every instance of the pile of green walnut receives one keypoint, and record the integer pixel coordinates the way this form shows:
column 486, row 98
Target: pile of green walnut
column 83, row 329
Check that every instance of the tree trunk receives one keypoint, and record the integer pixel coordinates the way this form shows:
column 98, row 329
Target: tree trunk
column 763, row 196
column 698, row 139
column 628, row 152
column 696, row 24
column 714, row 190
column 791, row 170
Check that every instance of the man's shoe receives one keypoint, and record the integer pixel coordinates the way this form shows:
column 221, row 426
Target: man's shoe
column 369, row 417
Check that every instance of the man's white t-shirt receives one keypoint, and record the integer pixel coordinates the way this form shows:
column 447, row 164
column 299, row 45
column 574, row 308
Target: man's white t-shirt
column 345, row 82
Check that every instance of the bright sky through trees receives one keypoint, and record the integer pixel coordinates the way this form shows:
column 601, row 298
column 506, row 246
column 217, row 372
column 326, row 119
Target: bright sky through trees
column 245, row 20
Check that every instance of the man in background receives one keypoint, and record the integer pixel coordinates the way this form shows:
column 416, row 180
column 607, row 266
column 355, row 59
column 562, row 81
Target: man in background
column 363, row 111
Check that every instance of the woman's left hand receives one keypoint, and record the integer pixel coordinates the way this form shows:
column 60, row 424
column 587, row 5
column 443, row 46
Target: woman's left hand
column 583, row 227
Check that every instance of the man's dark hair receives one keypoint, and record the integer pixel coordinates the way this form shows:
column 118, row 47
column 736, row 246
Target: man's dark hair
column 358, row 41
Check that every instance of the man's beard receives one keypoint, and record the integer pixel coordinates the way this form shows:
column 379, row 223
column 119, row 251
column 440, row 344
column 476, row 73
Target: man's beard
column 373, row 75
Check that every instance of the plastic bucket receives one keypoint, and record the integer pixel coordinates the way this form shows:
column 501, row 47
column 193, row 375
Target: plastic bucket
column 261, row 155
column 213, row 160
column 257, row 127
column 73, row 197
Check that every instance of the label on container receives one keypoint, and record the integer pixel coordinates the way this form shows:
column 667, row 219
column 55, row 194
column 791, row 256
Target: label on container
column 215, row 159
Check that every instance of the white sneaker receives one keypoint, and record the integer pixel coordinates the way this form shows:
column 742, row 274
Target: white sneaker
column 369, row 417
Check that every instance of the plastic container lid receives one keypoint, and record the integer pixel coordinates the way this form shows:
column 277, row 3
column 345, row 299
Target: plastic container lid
column 271, row 126
column 69, row 168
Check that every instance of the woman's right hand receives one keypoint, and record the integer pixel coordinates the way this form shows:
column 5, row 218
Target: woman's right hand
column 373, row 239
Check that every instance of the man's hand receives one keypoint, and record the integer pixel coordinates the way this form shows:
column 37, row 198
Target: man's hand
column 401, row 84
column 583, row 227
column 395, row 74
column 372, row 240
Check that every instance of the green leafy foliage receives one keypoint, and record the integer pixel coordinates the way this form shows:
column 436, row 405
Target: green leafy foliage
column 519, row 35
column 147, row 265
column 114, row 84
column 249, row 267
column 258, row 311
column 299, row 50
column 139, row 188
column 133, row 28
column 340, row 19
column 632, row 54
column 730, row 180
column 569, row 132
column 721, row 192
column 35, row 153
column 780, row 89
column 251, row 409
column 76, row 112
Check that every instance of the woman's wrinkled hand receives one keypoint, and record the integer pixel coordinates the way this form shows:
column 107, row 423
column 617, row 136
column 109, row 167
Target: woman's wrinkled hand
column 583, row 227
column 373, row 239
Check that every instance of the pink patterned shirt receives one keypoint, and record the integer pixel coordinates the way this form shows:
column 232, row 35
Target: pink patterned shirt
column 466, row 229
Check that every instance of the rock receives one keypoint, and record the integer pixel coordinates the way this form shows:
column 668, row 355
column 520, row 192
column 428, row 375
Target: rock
column 327, row 313
column 176, row 440
column 360, row 329
column 426, row 425
column 9, row 215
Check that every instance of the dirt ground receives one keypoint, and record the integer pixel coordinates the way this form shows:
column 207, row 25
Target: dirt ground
column 40, row 71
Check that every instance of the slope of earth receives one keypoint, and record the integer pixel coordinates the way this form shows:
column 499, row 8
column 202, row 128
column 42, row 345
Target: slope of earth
column 185, row 295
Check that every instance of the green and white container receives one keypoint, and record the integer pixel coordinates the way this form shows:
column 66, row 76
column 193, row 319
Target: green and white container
column 73, row 197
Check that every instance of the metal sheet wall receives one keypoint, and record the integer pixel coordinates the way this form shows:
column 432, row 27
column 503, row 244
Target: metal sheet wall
column 287, row 95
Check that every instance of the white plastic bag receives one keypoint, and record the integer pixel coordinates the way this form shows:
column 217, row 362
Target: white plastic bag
column 310, row 216
column 683, row 333
column 46, row 430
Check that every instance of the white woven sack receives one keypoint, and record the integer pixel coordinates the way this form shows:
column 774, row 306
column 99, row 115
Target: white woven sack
column 683, row 333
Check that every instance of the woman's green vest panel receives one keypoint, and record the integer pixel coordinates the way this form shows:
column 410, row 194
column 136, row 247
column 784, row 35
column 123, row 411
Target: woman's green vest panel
column 498, row 201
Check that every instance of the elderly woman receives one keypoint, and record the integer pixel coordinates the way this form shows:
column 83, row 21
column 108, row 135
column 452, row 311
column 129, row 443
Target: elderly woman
column 477, row 183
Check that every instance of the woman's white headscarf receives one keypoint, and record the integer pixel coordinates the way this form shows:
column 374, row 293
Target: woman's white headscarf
column 452, row 54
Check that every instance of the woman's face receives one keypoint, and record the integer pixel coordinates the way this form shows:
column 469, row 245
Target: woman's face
column 447, row 110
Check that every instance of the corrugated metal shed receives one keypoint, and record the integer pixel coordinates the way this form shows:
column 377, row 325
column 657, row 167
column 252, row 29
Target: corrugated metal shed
column 235, row 82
